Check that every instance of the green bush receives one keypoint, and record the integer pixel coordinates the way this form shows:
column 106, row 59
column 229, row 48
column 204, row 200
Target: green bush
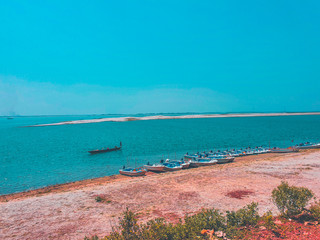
column 247, row 216
column 267, row 220
column 206, row 219
column 187, row 229
column 99, row 199
column 157, row 229
column 315, row 211
column 129, row 226
column 291, row 200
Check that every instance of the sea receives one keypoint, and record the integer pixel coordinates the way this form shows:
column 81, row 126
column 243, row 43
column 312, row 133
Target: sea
column 35, row 157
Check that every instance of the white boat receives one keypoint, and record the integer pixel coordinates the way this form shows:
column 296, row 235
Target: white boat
column 170, row 167
column 155, row 168
column 223, row 159
column 133, row 172
column 198, row 162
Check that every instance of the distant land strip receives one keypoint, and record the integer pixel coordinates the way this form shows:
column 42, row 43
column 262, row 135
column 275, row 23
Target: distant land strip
column 160, row 117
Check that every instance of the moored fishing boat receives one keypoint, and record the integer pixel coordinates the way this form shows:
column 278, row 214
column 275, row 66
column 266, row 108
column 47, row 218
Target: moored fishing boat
column 198, row 162
column 223, row 159
column 308, row 145
column 171, row 166
column 188, row 157
column 133, row 172
column 155, row 167
column 284, row 150
column 183, row 164
column 106, row 150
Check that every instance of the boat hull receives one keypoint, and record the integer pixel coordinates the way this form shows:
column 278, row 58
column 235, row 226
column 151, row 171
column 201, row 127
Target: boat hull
column 309, row 147
column 202, row 164
column 225, row 160
column 185, row 165
column 284, row 150
column 132, row 173
column 173, row 169
column 104, row 150
column 155, row 168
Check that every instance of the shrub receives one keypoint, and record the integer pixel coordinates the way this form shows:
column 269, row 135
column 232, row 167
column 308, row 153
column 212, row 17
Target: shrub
column 247, row 216
column 291, row 200
column 267, row 220
column 129, row 226
column 315, row 211
column 99, row 199
column 206, row 219
column 92, row 238
column 190, row 228
column 157, row 229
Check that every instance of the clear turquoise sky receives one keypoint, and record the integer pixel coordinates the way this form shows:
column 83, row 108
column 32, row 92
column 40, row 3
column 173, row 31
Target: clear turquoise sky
column 81, row 57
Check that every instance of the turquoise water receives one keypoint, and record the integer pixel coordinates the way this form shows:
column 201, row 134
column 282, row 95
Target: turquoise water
column 35, row 157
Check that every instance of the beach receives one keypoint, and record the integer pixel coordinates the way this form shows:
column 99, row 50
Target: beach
column 190, row 116
column 70, row 211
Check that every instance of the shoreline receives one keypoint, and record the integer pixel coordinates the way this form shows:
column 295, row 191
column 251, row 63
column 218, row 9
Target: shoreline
column 162, row 117
column 71, row 211
column 62, row 187
column 78, row 185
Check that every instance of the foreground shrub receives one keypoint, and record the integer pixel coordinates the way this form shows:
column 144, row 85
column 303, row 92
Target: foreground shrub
column 267, row 220
column 157, row 229
column 291, row 200
column 315, row 211
column 129, row 226
column 206, row 219
column 244, row 217
column 187, row 229
column 247, row 216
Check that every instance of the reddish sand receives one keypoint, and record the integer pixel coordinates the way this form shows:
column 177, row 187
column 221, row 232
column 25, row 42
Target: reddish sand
column 70, row 211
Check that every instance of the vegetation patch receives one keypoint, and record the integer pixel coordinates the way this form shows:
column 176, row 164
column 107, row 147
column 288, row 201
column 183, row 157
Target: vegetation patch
column 102, row 199
column 245, row 223
column 239, row 194
column 291, row 200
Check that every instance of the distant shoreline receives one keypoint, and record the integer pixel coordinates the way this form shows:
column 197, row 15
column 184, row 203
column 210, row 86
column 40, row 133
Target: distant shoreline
column 162, row 117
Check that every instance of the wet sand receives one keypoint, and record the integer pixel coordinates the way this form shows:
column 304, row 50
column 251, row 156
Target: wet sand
column 70, row 211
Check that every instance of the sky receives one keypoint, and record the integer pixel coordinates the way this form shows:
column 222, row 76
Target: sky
column 100, row 57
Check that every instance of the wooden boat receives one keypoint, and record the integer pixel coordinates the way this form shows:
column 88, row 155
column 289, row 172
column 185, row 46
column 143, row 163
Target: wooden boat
column 284, row 150
column 170, row 167
column 185, row 165
column 308, row 146
column 223, row 159
column 133, row 172
column 155, row 168
column 106, row 150
column 202, row 162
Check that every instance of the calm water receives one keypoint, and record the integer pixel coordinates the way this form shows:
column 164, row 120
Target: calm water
column 40, row 156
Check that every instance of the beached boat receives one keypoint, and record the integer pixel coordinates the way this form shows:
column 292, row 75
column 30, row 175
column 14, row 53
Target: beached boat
column 202, row 162
column 308, row 145
column 223, row 159
column 155, row 168
column 171, row 166
column 284, row 150
column 106, row 150
column 188, row 157
column 183, row 164
column 133, row 172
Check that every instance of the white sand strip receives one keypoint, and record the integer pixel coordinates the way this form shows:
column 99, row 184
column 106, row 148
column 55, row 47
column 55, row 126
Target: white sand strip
column 159, row 117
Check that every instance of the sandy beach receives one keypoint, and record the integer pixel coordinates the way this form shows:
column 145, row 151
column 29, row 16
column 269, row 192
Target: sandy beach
column 161, row 117
column 70, row 211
